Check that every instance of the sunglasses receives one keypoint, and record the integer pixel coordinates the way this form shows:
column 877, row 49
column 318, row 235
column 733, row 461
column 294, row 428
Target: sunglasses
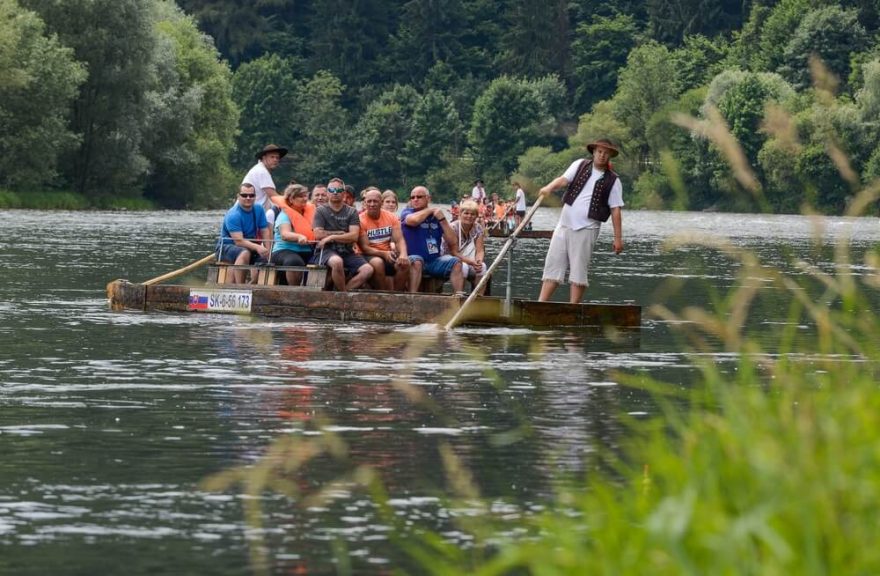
column 336, row 190
column 248, row 195
column 417, row 197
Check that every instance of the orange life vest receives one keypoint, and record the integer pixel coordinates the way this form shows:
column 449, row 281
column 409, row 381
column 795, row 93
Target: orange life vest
column 302, row 223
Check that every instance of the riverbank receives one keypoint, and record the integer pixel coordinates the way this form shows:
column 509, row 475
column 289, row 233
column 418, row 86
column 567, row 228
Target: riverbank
column 67, row 200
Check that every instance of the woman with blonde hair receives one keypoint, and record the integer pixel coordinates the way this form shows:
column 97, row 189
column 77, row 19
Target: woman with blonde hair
column 389, row 201
column 470, row 250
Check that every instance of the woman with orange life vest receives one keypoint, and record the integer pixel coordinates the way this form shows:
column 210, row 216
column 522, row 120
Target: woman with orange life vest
column 293, row 231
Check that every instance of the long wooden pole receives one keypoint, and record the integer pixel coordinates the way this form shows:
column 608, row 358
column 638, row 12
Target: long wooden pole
column 507, row 245
column 184, row 270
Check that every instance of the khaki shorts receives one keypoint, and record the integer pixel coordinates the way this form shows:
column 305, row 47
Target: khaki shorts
column 570, row 250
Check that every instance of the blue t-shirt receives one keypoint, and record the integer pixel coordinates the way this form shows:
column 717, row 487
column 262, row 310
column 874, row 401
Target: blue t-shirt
column 422, row 240
column 249, row 223
column 282, row 244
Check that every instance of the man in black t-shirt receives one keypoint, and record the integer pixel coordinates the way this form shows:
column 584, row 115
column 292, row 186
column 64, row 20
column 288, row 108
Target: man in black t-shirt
column 337, row 228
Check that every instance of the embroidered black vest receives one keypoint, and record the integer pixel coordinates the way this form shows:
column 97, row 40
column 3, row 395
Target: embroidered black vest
column 599, row 209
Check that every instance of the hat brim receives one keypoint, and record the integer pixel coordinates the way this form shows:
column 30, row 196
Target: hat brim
column 282, row 151
column 612, row 151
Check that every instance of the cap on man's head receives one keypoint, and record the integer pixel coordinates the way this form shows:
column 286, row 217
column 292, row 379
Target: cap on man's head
column 271, row 148
column 478, row 181
column 605, row 143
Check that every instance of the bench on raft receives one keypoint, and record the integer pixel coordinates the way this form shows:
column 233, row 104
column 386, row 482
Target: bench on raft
column 314, row 277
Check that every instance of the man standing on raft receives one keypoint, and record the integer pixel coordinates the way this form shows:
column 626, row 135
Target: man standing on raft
column 593, row 194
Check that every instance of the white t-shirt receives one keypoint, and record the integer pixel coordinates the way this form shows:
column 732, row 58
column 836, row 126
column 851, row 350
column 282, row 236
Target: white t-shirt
column 520, row 200
column 478, row 193
column 575, row 216
column 259, row 178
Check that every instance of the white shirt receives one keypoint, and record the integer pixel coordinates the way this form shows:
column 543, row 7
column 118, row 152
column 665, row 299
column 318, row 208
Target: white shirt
column 520, row 200
column 259, row 178
column 478, row 193
column 575, row 216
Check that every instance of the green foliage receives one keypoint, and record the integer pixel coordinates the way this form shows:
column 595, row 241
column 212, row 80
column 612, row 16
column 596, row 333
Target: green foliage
column 648, row 83
column 381, row 135
column 599, row 50
column 831, row 34
column 42, row 200
column 452, row 180
column 670, row 21
column 267, row 91
column 436, row 132
column 699, row 60
column 38, row 82
column 111, row 110
column 509, row 117
column 535, row 38
column 323, row 150
column 192, row 120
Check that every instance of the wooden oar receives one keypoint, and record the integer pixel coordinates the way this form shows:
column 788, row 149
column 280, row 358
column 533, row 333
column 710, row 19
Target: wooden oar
column 184, row 270
column 507, row 245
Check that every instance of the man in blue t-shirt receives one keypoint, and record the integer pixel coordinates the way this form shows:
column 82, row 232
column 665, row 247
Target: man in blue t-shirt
column 423, row 229
column 245, row 235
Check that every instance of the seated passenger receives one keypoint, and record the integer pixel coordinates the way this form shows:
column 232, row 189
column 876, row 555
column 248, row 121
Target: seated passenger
column 389, row 201
column 337, row 229
column 423, row 229
column 470, row 247
column 293, row 232
column 244, row 235
column 382, row 243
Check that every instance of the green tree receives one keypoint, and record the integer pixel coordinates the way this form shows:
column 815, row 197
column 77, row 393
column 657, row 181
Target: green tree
column 116, row 40
column 38, row 82
column 647, row 83
column 381, row 134
column 698, row 60
column 670, row 21
column 267, row 91
column 599, row 51
column 324, row 148
column 508, row 118
column 535, row 38
column 832, row 34
column 436, row 132
column 192, row 119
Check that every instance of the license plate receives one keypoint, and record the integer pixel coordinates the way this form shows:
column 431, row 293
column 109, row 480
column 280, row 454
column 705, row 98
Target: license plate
column 229, row 301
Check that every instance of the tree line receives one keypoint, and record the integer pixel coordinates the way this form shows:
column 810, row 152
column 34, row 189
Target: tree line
column 166, row 103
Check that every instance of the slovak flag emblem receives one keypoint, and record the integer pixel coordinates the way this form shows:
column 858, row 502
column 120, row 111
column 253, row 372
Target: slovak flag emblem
column 197, row 302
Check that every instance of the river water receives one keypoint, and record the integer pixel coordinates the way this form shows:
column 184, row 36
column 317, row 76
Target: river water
column 111, row 422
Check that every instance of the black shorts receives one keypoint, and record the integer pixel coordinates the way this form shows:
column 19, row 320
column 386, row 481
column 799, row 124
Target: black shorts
column 351, row 262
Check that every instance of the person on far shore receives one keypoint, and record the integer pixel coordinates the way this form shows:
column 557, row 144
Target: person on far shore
column 593, row 193
column 260, row 178
column 244, row 235
column 478, row 194
column 293, row 233
column 382, row 243
column 337, row 228
column 424, row 227
column 520, row 199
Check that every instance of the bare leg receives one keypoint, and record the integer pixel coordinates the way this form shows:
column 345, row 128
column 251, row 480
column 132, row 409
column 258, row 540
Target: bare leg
column 243, row 260
column 548, row 287
column 415, row 275
column 337, row 273
column 378, row 280
column 456, row 278
column 363, row 274
column 576, row 293
column 293, row 278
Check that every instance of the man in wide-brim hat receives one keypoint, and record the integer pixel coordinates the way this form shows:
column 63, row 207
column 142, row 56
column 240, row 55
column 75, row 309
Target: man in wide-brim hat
column 593, row 193
column 260, row 178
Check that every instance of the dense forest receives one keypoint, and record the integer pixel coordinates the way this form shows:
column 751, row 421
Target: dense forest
column 156, row 103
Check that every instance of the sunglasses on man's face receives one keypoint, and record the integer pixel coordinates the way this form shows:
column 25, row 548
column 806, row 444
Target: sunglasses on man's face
column 336, row 190
column 248, row 195
column 417, row 197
